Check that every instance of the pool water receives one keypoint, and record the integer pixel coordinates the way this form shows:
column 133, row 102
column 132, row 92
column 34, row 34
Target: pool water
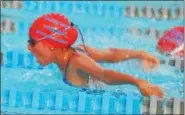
column 167, row 77
column 99, row 33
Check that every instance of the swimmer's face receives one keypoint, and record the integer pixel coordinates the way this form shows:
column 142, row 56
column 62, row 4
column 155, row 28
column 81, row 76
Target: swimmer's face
column 42, row 53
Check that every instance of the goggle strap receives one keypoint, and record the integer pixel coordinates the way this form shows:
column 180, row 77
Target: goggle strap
column 83, row 41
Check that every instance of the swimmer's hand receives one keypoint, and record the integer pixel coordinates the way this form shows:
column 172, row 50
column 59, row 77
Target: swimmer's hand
column 149, row 89
column 149, row 61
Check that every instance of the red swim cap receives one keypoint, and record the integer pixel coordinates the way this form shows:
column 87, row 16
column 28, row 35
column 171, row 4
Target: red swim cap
column 55, row 29
column 171, row 40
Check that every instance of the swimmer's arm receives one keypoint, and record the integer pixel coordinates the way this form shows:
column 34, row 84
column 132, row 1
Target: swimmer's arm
column 112, row 77
column 132, row 54
column 108, row 76
column 114, row 54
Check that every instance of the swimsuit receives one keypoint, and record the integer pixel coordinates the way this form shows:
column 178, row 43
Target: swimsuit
column 78, row 50
column 66, row 68
column 93, row 84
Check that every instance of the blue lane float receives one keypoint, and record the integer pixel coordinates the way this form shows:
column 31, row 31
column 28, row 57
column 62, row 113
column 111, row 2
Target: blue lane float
column 24, row 59
column 82, row 102
column 20, row 59
column 68, row 7
column 23, row 27
column 100, row 12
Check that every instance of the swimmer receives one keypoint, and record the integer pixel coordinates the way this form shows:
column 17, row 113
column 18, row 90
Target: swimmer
column 50, row 40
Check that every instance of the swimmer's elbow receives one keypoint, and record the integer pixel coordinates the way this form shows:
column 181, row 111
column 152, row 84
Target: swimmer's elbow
column 107, row 79
column 105, row 75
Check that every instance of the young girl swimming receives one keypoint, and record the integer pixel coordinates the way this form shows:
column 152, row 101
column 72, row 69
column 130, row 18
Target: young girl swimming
column 50, row 40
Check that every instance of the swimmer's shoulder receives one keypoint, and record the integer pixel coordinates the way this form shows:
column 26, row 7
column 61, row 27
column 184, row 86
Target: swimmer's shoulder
column 79, row 58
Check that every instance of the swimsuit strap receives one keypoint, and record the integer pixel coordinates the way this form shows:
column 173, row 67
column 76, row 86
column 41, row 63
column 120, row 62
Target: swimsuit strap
column 66, row 68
